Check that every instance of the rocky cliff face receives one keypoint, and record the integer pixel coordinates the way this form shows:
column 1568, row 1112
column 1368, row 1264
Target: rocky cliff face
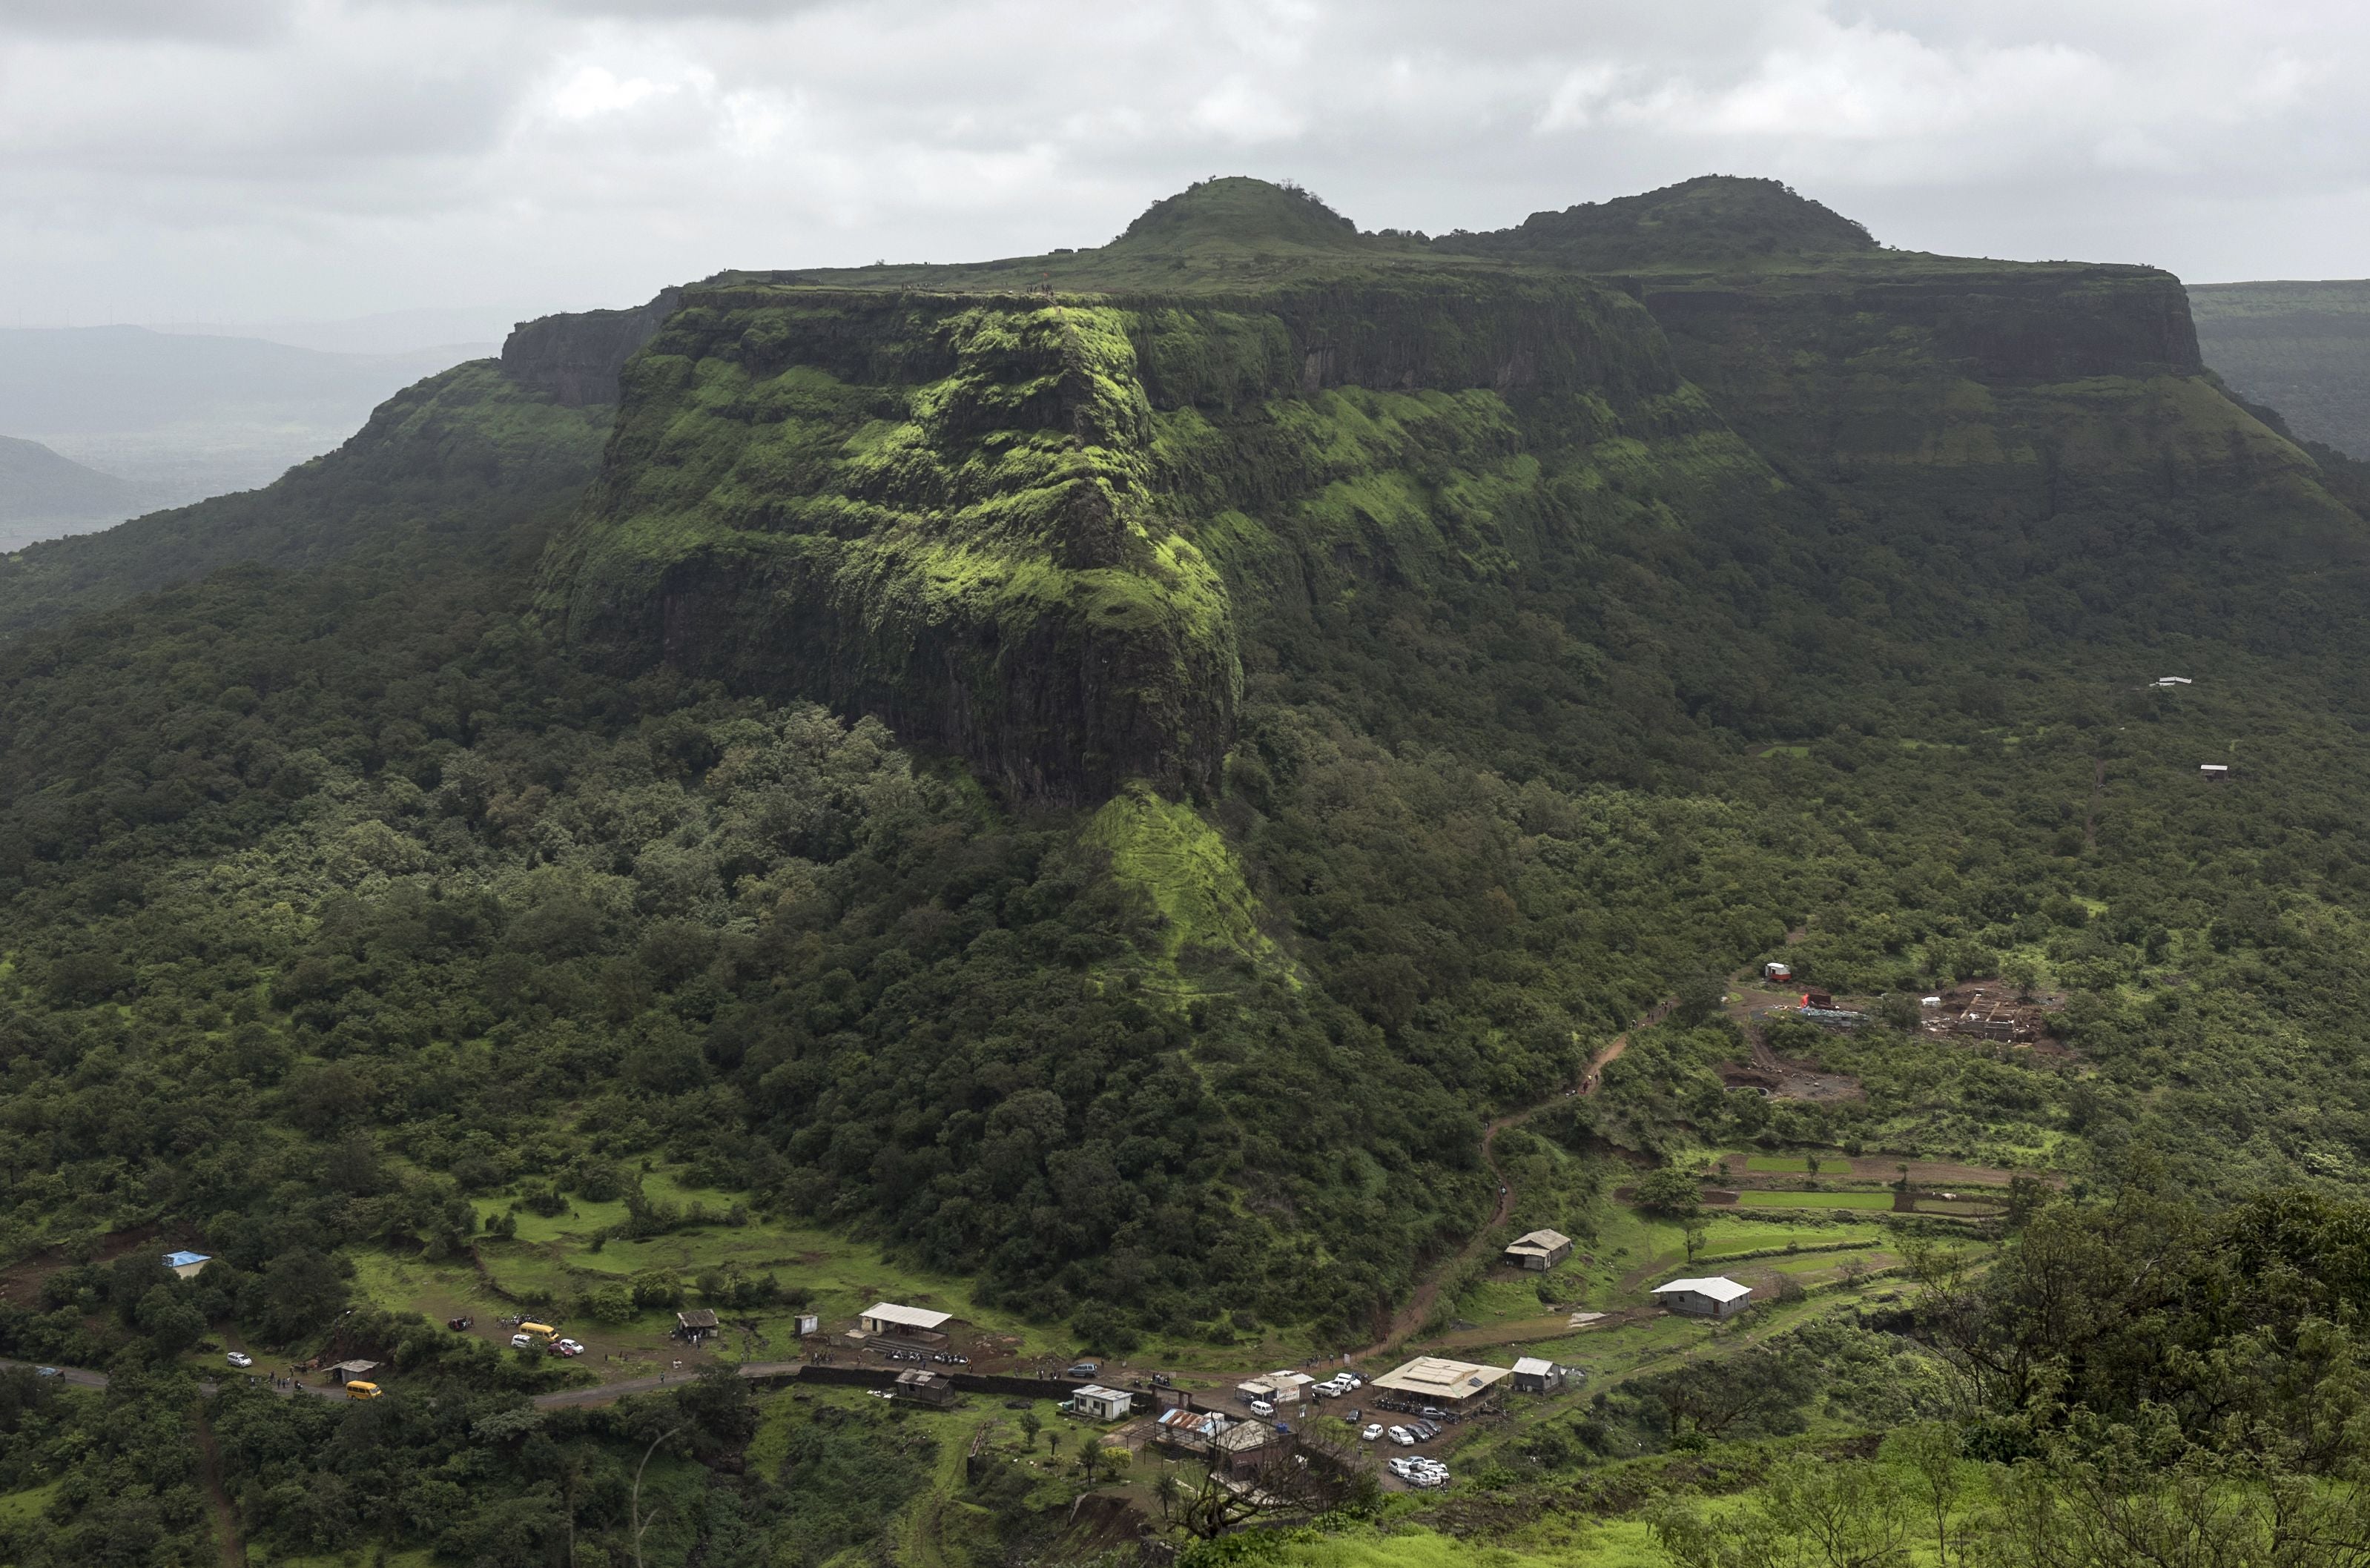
column 576, row 357
column 989, row 519
column 1043, row 531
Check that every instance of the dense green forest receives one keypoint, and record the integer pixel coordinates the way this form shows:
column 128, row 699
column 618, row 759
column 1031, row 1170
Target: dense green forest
column 475, row 827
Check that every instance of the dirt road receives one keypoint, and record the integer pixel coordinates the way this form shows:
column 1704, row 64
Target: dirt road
column 226, row 1533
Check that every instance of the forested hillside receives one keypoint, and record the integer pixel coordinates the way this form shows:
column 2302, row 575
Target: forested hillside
column 1099, row 797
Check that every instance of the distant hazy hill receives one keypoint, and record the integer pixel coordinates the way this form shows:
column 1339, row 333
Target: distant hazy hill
column 2302, row 348
column 37, row 482
column 193, row 416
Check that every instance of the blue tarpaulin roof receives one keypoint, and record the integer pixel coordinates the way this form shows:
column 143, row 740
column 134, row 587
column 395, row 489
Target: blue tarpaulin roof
column 183, row 1260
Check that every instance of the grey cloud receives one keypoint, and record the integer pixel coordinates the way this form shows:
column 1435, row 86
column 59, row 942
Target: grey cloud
column 218, row 20
column 377, row 153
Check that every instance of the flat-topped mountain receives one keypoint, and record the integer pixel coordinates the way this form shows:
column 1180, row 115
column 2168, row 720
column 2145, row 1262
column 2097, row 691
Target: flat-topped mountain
column 1027, row 511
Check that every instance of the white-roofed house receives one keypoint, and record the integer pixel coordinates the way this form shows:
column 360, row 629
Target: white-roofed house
column 1097, row 1402
column 1716, row 1297
column 911, row 1326
column 1533, row 1376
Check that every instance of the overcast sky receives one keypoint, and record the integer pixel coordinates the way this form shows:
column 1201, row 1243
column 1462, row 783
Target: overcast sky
column 274, row 159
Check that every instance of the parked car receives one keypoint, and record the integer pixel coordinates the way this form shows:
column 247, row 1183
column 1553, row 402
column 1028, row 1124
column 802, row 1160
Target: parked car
column 47, row 1372
column 1402, row 1437
column 1429, row 1413
column 1260, row 1407
column 1371, row 1432
column 1083, row 1370
column 522, row 1342
column 459, row 1325
column 571, row 1347
column 1353, row 1415
column 239, row 1358
column 1426, row 1430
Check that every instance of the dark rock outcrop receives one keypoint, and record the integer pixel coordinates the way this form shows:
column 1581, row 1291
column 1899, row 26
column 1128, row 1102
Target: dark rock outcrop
column 577, row 356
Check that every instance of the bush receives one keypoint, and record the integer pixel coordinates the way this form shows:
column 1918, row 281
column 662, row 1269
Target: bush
column 611, row 1304
column 1671, row 1193
column 1101, row 1328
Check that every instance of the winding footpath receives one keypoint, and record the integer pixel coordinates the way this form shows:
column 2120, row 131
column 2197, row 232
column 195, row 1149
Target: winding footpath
column 1420, row 1302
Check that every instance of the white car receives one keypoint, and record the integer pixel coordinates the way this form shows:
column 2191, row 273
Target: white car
column 1260, row 1407
column 522, row 1342
column 570, row 1346
column 1402, row 1437
column 240, row 1358
column 1371, row 1432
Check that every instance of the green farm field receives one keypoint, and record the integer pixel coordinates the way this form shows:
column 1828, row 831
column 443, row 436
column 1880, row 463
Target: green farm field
column 1752, row 1198
column 553, row 1262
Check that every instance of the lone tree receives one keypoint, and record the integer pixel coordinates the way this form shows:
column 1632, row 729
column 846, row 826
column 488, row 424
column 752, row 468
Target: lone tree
column 1301, row 1480
column 1670, row 1193
column 1096, row 1461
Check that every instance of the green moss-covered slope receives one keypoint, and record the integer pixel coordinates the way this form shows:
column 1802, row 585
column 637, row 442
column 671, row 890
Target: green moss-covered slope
column 982, row 517
column 936, row 510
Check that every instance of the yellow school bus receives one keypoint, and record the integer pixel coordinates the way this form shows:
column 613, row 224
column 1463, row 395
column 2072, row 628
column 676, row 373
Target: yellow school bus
column 544, row 1329
column 360, row 1390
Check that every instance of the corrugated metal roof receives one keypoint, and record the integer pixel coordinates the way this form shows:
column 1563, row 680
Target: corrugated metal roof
column 1720, row 1288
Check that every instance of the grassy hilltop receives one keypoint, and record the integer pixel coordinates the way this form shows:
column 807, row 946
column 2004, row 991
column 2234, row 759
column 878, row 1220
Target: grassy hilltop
column 1120, row 793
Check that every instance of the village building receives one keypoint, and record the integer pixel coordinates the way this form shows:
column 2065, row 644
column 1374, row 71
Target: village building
column 695, row 1326
column 1182, row 1427
column 1244, row 1447
column 1533, row 1376
column 1453, row 1386
column 186, row 1266
column 933, row 1388
column 350, row 1371
column 1278, row 1388
column 2214, row 770
column 1097, row 1402
column 893, row 1327
column 1539, row 1251
column 1717, row 1297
